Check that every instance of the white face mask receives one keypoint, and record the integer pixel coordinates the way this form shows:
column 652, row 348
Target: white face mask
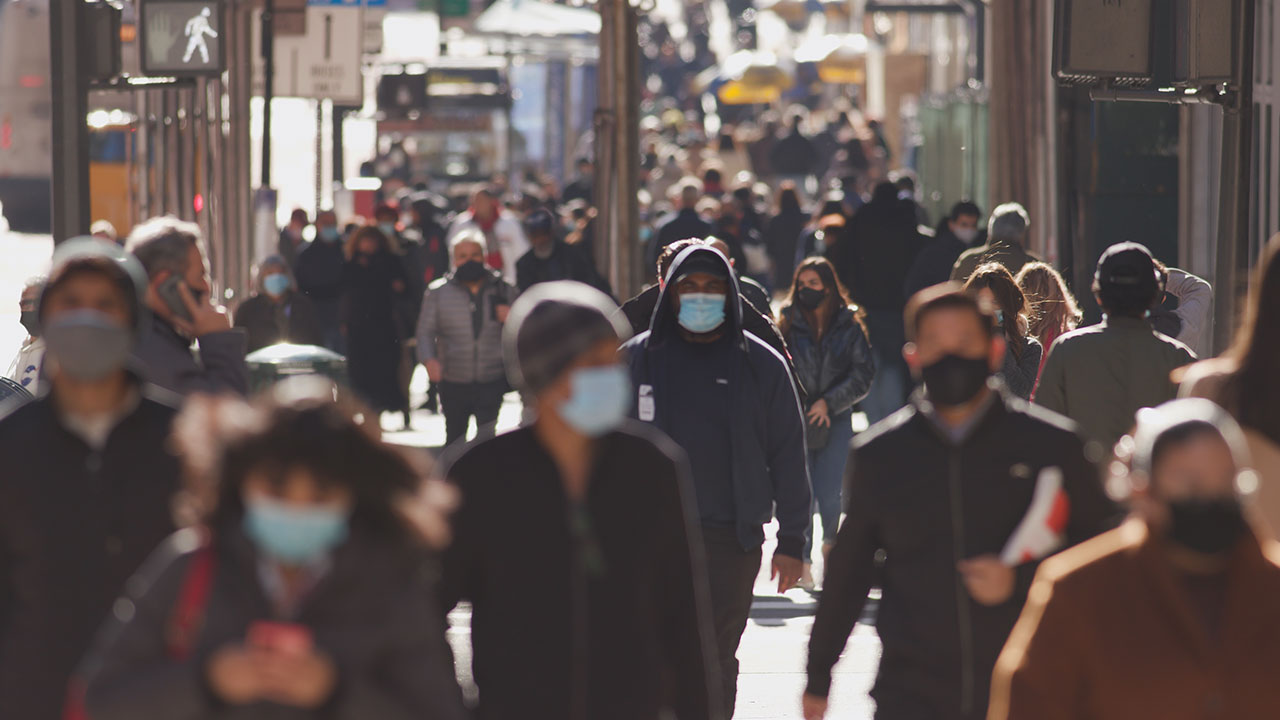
column 966, row 235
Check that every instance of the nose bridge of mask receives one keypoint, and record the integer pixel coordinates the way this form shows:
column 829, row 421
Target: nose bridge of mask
column 599, row 399
column 88, row 344
column 702, row 312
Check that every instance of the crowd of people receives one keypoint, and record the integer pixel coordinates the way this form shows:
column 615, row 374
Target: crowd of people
column 170, row 544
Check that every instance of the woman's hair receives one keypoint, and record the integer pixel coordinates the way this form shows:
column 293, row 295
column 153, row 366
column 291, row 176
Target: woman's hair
column 385, row 244
column 1053, row 309
column 306, row 425
column 1009, row 299
column 1253, row 390
column 833, row 302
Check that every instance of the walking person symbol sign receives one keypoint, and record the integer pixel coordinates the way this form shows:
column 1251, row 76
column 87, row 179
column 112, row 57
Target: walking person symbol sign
column 182, row 38
column 196, row 30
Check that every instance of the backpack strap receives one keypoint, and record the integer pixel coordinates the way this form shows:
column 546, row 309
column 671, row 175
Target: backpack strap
column 193, row 598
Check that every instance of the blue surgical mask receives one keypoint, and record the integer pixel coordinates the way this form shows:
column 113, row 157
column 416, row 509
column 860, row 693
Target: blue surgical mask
column 388, row 229
column 599, row 400
column 294, row 535
column 701, row 312
column 276, row 284
column 329, row 234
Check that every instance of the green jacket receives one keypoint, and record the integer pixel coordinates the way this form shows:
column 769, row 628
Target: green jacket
column 1011, row 255
column 1100, row 376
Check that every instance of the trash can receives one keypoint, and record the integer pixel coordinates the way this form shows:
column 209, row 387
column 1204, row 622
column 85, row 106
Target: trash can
column 278, row 362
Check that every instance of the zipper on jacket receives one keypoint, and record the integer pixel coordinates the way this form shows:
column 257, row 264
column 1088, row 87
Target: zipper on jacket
column 963, row 607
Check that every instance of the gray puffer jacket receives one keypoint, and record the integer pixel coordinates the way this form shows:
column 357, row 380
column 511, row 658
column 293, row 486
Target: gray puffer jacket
column 462, row 331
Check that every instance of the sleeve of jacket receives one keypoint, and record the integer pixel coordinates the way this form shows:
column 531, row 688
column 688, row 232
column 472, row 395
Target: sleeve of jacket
column 306, row 326
column 1195, row 303
column 1020, row 370
column 1052, row 391
column 862, row 370
column 427, row 324
column 788, row 460
column 849, row 575
column 689, row 645
column 1039, row 673
column 129, row 673
column 222, row 367
column 416, row 678
column 460, row 562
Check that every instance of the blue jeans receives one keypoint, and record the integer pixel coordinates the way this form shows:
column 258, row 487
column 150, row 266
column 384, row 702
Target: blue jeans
column 892, row 383
column 826, row 473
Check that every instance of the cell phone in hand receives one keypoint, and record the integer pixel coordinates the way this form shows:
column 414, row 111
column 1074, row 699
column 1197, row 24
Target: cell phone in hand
column 283, row 638
column 171, row 296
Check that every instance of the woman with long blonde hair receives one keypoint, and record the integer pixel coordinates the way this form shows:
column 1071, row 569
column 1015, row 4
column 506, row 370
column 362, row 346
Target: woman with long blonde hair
column 1054, row 310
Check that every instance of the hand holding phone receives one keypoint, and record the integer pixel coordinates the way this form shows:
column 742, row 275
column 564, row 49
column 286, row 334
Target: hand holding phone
column 170, row 292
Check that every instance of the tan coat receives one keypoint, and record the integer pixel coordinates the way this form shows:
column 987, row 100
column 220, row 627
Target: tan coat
column 1206, row 380
column 1109, row 634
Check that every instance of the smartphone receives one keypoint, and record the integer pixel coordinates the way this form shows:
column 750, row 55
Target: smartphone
column 172, row 297
column 284, row 638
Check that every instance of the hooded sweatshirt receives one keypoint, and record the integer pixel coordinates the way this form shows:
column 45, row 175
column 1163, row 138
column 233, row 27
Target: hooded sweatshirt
column 754, row 458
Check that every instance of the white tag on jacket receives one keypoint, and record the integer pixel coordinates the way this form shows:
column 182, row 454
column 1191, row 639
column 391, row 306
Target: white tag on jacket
column 645, row 404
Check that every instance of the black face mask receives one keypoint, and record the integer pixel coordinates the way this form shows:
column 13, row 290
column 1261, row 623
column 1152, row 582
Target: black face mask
column 31, row 321
column 955, row 379
column 471, row 271
column 1207, row 526
column 810, row 298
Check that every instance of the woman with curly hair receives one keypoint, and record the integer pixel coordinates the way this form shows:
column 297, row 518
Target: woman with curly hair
column 1023, row 352
column 302, row 586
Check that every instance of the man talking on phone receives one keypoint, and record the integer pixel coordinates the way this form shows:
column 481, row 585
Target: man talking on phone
column 183, row 312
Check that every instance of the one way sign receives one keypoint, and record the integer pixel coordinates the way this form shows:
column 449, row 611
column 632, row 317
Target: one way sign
column 325, row 62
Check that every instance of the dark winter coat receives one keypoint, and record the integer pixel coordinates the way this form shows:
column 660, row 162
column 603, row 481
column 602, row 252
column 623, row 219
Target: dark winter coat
column 374, row 613
column 793, row 154
column 936, row 259
column 781, row 236
column 166, row 359
column 927, row 503
column 1020, row 371
column 566, row 262
column 1009, row 254
column 319, row 271
column 75, row 523
column 680, row 225
column 599, row 606
column 268, row 322
column 877, row 252
column 769, row 464
column 838, row 367
column 373, row 336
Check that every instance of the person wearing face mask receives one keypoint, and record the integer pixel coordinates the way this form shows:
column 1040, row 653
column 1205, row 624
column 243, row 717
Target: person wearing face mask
column 993, row 284
column 291, row 238
column 1171, row 615
column 954, row 235
column 277, row 312
column 25, row 369
column 951, row 504
column 551, row 258
column 90, row 494
column 725, row 397
column 594, row 511
column 460, row 339
column 318, row 272
column 373, row 280
column 827, row 339
column 505, row 240
column 184, row 311
column 301, row 585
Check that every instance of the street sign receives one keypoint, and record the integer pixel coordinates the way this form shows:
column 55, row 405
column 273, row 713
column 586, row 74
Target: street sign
column 182, row 38
column 325, row 62
column 1104, row 39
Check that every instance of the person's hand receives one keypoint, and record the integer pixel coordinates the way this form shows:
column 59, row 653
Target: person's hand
column 787, row 570
column 814, row 707
column 819, row 414
column 988, row 580
column 234, row 674
column 435, row 370
column 502, row 311
column 305, row 680
column 206, row 318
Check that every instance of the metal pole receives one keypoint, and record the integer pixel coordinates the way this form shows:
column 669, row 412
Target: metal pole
column 627, row 155
column 70, row 99
column 339, row 159
column 1232, row 268
column 268, row 89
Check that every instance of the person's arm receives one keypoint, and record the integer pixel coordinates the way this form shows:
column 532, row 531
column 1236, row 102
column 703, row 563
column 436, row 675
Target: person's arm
column 1052, row 392
column 788, row 461
column 688, row 644
column 1040, row 674
column 427, row 324
column 1195, row 303
column 850, row 573
column 1020, row 372
column 856, row 383
column 222, row 357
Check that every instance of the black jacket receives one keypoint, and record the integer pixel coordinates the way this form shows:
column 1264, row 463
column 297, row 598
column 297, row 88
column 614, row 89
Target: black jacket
column 781, row 236
column 933, row 264
column 74, row 525
column 769, row 463
column 600, row 604
column 874, row 257
column 566, row 262
column 374, row 613
column 319, row 270
column 838, row 367
column 928, row 503
column 793, row 154
column 680, row 225
column 268, row 322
